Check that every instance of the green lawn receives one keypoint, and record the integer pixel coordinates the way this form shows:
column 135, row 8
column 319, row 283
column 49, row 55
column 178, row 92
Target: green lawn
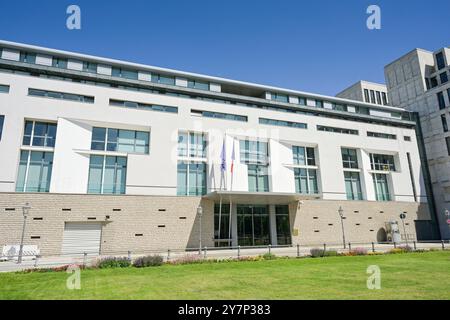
column 404, row 276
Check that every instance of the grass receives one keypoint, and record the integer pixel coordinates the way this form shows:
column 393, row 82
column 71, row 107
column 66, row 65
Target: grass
column 403, row 276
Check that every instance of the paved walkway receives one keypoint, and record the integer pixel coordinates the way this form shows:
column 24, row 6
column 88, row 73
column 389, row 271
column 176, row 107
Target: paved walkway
column 58, row 261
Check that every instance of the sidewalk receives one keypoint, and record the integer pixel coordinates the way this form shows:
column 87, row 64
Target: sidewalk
column 214, row 253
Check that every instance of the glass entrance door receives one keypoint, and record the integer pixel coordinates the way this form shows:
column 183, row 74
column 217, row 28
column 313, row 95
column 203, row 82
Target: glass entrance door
column 253, row 225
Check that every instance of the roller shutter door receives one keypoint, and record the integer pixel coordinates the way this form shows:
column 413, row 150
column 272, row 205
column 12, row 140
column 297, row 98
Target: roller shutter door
column 81, row 237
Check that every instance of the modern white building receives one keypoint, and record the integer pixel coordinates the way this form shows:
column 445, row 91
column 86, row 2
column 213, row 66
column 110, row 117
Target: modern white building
column 116, row 156
column 419, row 82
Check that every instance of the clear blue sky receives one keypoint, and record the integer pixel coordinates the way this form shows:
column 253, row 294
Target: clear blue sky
column 316, row 46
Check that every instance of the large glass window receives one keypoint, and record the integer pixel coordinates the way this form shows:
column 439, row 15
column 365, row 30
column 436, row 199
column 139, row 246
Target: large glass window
column 444, row 77
column 385, row 102
column 119, row 140
column 191, row 178
column 353, row 185
column 381, row 187
column 194, row 84
column 280, row 97
column 222, row 234
column 440, row 60
column 123, row 73
column 90, row 67
column 4, row 88
column 255, row 152
column 107, row 175
column 349, row 158
column 192, row 144
column 258, row 178
column 39, row 134
column 59, row 63
column 366, row 96
column 283, row 225
column 304, row 156
column 306, row 181
column 382, row 162
column 35, row 171
column 27, row 57
column 158, row 78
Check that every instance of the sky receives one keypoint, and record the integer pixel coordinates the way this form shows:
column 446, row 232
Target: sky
column 320, row 46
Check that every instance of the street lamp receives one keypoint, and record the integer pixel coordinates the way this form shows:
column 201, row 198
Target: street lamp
column 200, row 214
column 25, row 210
column 403, row 217
column 341, row 214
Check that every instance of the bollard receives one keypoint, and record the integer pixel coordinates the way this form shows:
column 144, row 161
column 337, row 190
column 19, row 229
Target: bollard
column 415, row 245
column 168, row 254
column 324, row 250
column 36, row 261
column 395, row 245
column 239, row 252
column 270, row 248
column 349, row 247
column 205, row 252
column 443, row 245
column 373, row 247
column 129, row 255
column 84, row 259
column 298, row 251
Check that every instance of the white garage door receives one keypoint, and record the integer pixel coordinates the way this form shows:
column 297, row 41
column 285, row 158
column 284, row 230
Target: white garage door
column 82, row 237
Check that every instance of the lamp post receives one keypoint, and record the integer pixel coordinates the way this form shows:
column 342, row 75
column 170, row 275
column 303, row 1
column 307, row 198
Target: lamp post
column 200, row 214
column 341, row 214
column 403, row 217
column 25, row 210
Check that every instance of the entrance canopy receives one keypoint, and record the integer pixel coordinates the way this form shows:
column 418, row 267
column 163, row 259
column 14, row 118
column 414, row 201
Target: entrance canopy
column 255, row 198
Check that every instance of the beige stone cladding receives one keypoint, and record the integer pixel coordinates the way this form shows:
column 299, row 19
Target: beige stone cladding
column 154, row 223
column 318, row 221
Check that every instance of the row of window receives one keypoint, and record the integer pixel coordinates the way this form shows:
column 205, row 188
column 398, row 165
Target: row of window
column 219, row 115
column 4, row 88
column 60, row 95
column 443, row 76
column 142, row 106
column 375, row 97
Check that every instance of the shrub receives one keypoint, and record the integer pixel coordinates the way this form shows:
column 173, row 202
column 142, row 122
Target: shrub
column 405, row 248
column 148, row 261
column 269, row 256
column 315, row 252
column 187, row 259
column 113, row 262
column 401, row 249
column 331, row 253
column 250, row 258
column 359, row 252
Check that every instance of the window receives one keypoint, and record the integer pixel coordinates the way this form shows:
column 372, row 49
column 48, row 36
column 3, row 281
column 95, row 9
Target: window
column 372, row 96
column 107, row 175
column 441, row 100
column 219, row 115
column 60, row 95
column 4, row 89
column 142, row 106
column 304, row 156
column 59, row 63
column 2, row 120
column 27, row 57
column 306, row 181
column 89, row 67
column 378, row 97
column 302, row 101
column 349, row 158
column 39, row 134
column 194, row 84
column 447, row 141
column 353, row 185
column 433, row 82
column 382, row 162
column 123, row 73
column 157, row 78
column 258, row 178
column 440, row 60
column 191, row 178
column 282, row 123
column 192, row 145
column 407, row 138
column 319, row 103
column 119, row 140
column 444, row 123
column 283, row 225
column 35, row 171
column 448, row 94
column 444, row 77
column 280, row 97
column 381, row 187
column 338, row 130
column 366, row 96
column 255, row 152
column 385, row 102
column 381, row 135
column 339, row 107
